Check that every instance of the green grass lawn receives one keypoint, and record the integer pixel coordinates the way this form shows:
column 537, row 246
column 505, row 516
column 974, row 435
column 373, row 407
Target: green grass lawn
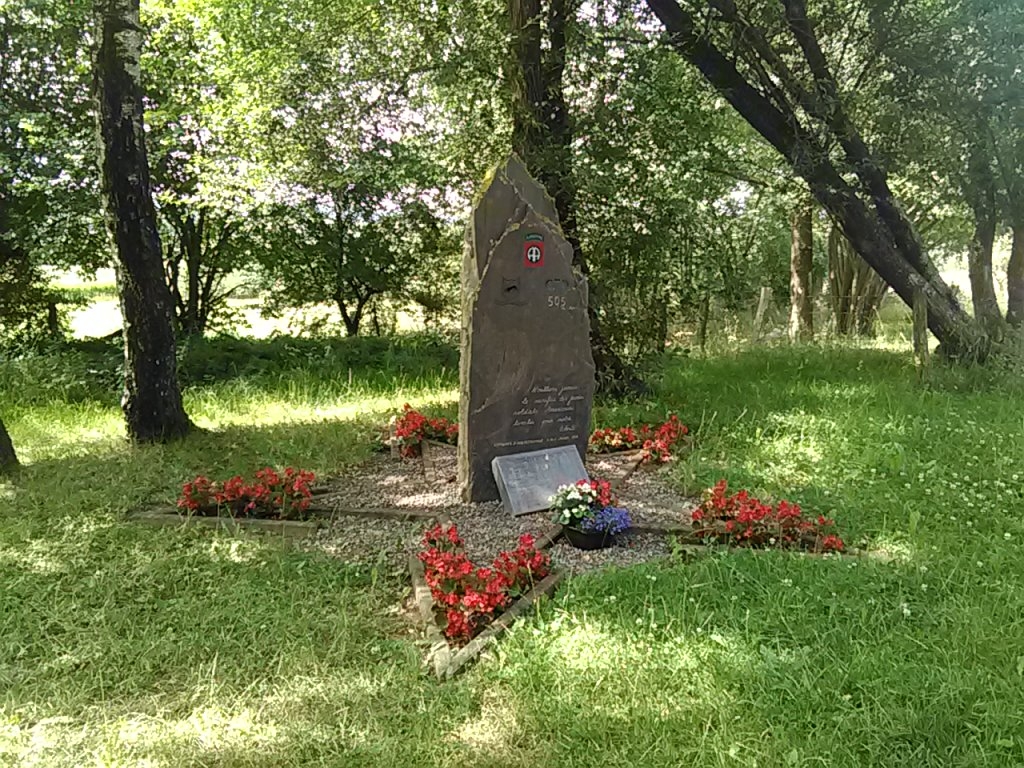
column 128, row 646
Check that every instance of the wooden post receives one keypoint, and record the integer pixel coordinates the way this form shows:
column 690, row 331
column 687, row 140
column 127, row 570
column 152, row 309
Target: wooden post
column 762, row 307
column 396, row 453
column 705, row 313
column 921, row 334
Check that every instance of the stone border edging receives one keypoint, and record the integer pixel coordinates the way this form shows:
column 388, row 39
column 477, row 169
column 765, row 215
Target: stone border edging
column 634, row 465
column 440, row 652
column 695, row 543
column 169, row 517
column 387, row 513
column 549, row 538
column 289, row 529
column 476, row 646
column 446, row 663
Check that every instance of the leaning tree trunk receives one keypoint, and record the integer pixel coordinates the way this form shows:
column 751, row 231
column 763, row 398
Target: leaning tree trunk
column 152, row 398
column 801, row 306
column 841, row 274
column 1015, row 279
column 880, row 233
column 542, row 137
column 856, row 291
column 8, row 458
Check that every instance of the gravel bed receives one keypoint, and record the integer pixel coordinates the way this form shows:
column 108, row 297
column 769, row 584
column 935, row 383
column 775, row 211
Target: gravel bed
column 630, row 549
column 652, row 502
column 430, row 485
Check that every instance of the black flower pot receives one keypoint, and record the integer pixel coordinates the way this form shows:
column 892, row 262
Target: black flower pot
column 588, row 539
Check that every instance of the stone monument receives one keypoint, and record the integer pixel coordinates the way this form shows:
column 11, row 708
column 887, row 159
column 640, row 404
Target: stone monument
column 526, row 373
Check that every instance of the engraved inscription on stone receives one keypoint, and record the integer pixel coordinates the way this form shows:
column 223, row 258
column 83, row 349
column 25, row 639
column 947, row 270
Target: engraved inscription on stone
column 552, row 410
column 526, row 372
column 526, row 481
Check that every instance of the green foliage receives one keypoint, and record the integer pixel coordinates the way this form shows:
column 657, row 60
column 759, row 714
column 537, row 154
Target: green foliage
column 368, row 239
column 28, row 313
column 48, row 186
column 329, row 151
column 209, row 177
column 679, row 201
column 223, row 358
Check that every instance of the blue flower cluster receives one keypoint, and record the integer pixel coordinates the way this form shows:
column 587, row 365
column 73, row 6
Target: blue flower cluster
column 610, row 520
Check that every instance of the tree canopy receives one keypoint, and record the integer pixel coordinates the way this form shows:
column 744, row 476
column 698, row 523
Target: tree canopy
column 327, row 153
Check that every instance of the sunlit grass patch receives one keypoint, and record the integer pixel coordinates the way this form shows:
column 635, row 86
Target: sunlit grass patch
column 130, row 646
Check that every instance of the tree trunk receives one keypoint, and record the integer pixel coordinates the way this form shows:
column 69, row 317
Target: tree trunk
column 172, row 268
column 980, row 190
column 871, row 290
column 152, row 399
column 8, row 458
column 542, row 137
column 840, row 282
column 193, row 261
column 53, row 320
column 661, row 317
column 880, row 234
column 801, row 305
column 855, row 290
column 375, row 320
column 199, row 249
column 1015, row 280
column 352, row 320
column 979, row 268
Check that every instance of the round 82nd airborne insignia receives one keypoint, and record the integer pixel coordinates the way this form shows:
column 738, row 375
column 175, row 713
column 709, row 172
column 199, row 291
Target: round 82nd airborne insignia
column 533, row 251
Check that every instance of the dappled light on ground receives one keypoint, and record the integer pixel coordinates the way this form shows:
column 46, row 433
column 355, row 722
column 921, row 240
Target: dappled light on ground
column 122, row 645
column 493, row 732
column 299, row 409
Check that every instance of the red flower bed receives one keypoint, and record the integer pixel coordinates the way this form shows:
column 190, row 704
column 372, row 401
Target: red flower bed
column 655, row 442
column 744, row 520
column 411, row 428
column 471, row 596
column 270, row 495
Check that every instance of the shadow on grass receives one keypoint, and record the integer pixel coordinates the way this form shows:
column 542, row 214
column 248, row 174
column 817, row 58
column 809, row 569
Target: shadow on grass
column 90, row 371
column 756, row 656
column 113, row 475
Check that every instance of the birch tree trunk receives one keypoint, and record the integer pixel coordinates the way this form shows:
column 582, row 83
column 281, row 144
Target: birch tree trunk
column 152, row 398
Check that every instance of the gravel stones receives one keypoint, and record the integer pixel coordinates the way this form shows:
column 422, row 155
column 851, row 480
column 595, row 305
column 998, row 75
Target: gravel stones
column 430, row 486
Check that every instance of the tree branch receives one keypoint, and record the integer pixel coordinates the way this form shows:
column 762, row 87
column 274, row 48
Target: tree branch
column 828, row 108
